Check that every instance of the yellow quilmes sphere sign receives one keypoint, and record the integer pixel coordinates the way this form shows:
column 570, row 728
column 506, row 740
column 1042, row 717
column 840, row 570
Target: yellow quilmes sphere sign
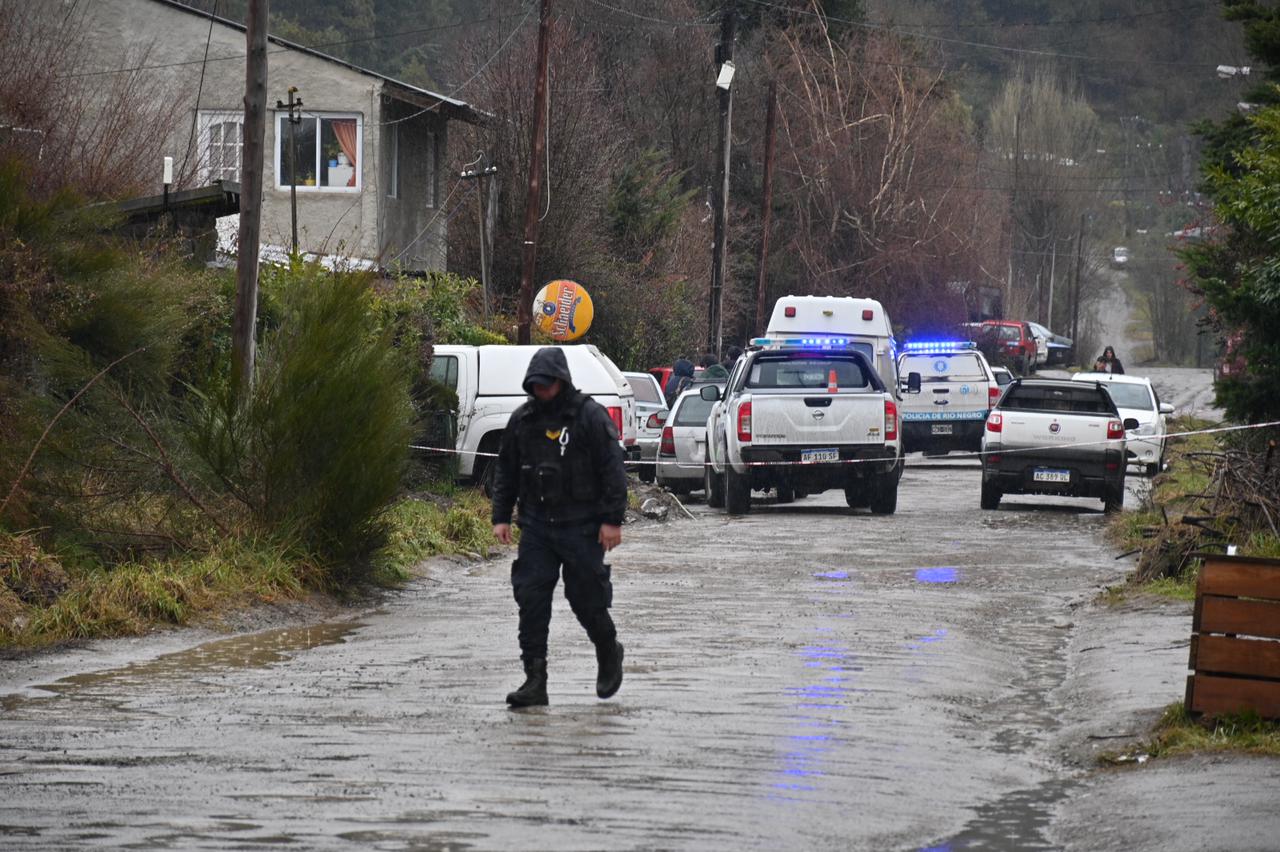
column 562, row 310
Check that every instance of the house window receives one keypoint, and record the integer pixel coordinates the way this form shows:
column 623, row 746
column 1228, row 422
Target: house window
column 221, row 145
column 327, row 150
column 393, row 162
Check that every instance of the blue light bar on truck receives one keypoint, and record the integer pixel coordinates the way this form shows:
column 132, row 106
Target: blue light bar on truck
column 936, row 347
column 820, row 342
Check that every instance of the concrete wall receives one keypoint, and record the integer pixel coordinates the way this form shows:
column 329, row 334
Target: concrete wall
column 329, row 222
column 413, row 224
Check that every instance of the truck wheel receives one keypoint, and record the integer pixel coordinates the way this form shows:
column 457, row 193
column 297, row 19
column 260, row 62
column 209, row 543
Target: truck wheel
column 713, row 487
column 884, row 495
column 737, row 492
column 855, row 496
column 990, row 496
column 647, row 471
column 786, row 494
column 1114, row 500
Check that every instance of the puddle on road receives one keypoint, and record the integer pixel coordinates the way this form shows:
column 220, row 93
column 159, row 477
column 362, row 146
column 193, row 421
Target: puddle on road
column 256, row 650
column 1018, row 821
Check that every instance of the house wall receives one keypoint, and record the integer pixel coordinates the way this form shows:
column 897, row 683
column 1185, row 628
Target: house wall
column 328, row 222
column 414, row 223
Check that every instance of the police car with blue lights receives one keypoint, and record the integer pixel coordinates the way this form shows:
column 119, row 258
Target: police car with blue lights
column 957, row 390
column 801, row 415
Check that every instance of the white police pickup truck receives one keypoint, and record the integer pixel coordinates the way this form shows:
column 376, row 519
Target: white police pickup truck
column 957, row 390
column 804, row 415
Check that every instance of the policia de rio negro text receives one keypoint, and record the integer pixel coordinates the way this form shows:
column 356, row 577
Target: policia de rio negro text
column 561, row 459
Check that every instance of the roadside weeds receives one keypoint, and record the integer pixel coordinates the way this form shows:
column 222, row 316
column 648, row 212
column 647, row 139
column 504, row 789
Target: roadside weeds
column 1177, row 733
column 50, row 598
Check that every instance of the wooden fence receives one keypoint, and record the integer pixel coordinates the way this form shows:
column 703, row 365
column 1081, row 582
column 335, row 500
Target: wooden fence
column 1235, row 660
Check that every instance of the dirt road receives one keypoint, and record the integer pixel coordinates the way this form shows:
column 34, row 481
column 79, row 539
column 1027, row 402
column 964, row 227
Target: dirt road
column 800, row 678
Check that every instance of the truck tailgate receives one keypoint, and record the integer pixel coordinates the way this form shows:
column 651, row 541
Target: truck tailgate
column 817, row 419
column 1069, row 435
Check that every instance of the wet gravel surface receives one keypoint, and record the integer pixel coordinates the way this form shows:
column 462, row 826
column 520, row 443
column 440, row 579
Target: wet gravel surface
column 803, row 677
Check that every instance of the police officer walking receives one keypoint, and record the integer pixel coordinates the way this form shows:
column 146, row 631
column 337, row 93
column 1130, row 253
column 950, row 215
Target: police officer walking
column 561, row 459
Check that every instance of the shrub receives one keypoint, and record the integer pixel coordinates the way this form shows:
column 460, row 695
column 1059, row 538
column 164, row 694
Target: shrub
column 317, row 449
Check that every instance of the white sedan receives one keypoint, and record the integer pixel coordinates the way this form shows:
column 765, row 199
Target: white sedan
column 1135, row 397
column 682, row 452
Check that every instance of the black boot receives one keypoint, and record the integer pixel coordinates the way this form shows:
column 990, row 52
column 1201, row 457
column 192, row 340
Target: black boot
column 609, row 675
column 533, row 692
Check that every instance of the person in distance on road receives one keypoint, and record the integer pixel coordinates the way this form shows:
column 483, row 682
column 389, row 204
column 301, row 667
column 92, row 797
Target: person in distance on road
column 1108, row 363
column 561, row 461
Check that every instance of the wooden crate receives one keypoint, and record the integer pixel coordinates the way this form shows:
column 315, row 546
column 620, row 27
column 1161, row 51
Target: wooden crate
column 1235, row 658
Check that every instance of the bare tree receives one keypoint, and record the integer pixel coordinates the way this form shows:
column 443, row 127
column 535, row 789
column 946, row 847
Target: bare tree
column 1042, row 136
column 101, row 133
column 878, row 165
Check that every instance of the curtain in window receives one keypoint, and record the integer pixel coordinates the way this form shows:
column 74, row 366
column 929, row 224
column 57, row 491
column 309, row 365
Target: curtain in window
column 345, row 131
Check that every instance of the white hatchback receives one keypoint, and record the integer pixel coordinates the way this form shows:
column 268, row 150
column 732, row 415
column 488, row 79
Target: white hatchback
column 1135, row 397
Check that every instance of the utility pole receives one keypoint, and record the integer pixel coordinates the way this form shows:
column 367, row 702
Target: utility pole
column 724, row 81
column 529, row 250
column 255, row 126
column 1053, row 268
column 295, row 118
column 1075, row 287
column 1013, row 207
column 485, row 206
column 766, row 205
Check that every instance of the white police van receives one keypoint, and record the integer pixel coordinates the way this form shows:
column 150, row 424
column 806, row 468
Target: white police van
column 957, row 391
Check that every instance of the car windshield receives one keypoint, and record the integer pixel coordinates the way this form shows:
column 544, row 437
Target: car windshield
column 963, row 366
column 1082, row 400
column 1009, row 332
column 1125, row 395
column 804, row 371
column 693, row 410
column 646, row 390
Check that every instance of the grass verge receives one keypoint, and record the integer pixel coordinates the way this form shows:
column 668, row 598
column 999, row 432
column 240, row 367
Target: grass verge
column 1177, row 733
column 45, row 599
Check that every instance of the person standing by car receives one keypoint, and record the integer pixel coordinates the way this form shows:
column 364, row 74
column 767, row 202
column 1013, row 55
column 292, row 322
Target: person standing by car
column 681, row 378
column 561, row 461
column 1108, row 363
column 731, row 356
column 712, row 369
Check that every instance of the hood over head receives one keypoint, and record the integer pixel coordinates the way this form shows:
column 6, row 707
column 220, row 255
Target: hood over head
column 682, row 367
column 547, row 365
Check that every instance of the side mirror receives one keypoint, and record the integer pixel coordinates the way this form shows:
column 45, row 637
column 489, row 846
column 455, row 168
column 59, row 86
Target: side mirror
column 710, row 393
column 913, row 383
column 1131, row 423
column 1167, row 408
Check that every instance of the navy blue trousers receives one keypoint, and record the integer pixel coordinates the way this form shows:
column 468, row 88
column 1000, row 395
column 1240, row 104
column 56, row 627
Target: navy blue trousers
column 544, row 548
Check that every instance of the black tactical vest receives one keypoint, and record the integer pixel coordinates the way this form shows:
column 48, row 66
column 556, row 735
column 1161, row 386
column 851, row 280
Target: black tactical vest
column 557, row 476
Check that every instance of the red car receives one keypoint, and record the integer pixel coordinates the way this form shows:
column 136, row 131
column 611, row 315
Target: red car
column 1013, row 338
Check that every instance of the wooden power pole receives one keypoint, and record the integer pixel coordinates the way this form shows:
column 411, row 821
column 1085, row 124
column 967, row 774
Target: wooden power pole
column 724, row 84
column 529, row 250
column 255, row 126
column 766, row 205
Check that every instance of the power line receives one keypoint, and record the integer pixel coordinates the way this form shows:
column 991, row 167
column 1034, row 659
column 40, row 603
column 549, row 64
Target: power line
column 291, row 47
column 1208, row 5
column 1022, row 51
column 664, row 21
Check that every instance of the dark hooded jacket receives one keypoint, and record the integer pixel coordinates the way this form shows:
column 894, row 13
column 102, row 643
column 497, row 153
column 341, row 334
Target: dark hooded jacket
column 681, row 377
column 560, row 459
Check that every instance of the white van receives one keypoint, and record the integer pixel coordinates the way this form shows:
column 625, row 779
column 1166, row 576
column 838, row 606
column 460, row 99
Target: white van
column 488, row 382
column 862, row 321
